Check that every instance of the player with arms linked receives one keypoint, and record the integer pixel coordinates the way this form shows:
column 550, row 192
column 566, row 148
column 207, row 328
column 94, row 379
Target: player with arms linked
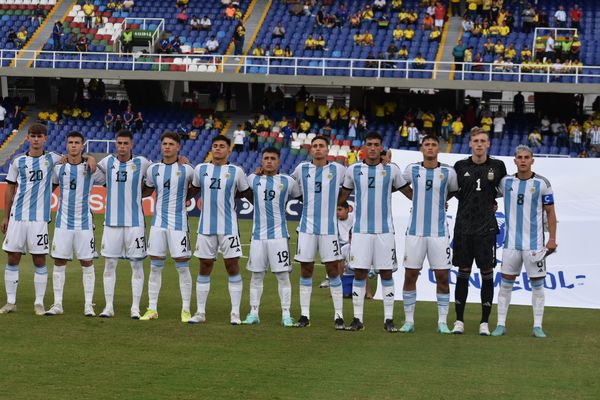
column 476, row 226
column 269, row 246
column 219, row 184
column 373, row 242
column 527, row 197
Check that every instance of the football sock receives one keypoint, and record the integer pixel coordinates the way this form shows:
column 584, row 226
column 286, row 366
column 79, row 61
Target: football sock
column 358, row 297
column 40, row 279
column 443, row 300
column 504, row 295
column 235, row 291
column 460, row 294
column 154, row 283
column 285, row 292
column 110, row 278
column 89, row 281
column 58, row 282
column 388, row 298
column 409, row 297
column 11, row 282
column 305, row 294
column 337, row 295
column 256, row 289
column 537, row 301
column 202, row 289
column 487, row 295
column 137, row 283
column 185, row 284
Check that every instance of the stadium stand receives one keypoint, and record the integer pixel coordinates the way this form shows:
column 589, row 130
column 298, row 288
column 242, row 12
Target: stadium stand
column 340, row 40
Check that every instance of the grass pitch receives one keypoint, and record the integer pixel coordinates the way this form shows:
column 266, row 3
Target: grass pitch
column 71, row 356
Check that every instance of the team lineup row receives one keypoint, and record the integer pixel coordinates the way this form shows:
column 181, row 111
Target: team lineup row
column 361, row 243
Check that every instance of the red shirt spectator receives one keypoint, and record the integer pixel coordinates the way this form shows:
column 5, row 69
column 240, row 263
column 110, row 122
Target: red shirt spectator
column 575, row 15
column 440, row 11
column 198, row 121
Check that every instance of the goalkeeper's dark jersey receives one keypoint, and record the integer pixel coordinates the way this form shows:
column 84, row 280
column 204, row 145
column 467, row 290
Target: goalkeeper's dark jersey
column 477, row 191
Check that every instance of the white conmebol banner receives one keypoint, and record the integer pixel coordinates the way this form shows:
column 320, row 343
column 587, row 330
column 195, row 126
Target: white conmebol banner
column 573, row 278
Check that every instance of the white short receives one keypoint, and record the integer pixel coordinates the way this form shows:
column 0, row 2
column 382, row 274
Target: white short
column 513, row 260
column 377, row 250
column 82, row 242
column 177, row 242
column 27, row 235
column 437, row 250
column 308, row 244
column 273, row 253
column 208, row 245
column 439, row 23
column 124, row 242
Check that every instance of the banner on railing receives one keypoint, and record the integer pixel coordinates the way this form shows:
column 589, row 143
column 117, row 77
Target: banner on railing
column 573, row 271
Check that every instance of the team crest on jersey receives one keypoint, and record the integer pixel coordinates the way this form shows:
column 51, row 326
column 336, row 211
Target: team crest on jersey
column 383, row 173
column 178, row 173
column 532, row 190
column 227, row 175
column 84, row 173
column 280, row 186
column 330, row 176
column 442, row 177
column 133, row 167
column 45, row 163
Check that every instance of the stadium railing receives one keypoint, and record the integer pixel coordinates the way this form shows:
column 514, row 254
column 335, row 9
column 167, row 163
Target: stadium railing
column 345, row 67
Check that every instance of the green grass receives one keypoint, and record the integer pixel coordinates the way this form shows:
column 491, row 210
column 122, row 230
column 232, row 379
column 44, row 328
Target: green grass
column 71, row 356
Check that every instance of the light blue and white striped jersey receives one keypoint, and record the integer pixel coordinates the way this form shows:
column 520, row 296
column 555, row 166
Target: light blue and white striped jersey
column 33, row 177
column 75, row 182
column 430, row 191
column 171, row 182
column 271, row 194
column 124, row 190
column 320, row 187
column 524, row 202
column 373, row 186
column 218, row 186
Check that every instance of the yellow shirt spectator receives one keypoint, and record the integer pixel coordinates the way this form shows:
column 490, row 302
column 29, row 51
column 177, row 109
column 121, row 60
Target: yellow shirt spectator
column 258, row 51
column 304, row 126
column 311, row 108
column 88, row 9
column 278, row 52
column 499, row 48
column 428, row 120
column 398, row 33
column 510, row 53
column 486, row 123
column 403, row 53
column 434, row 35
column 323, row 110
column 457, row 128
column 409, row 34
column 504, row 30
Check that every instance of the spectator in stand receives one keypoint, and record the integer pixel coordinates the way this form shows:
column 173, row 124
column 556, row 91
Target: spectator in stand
column 545, row 126
column 457, row 130
column 320, row 19
column 111, row 5
column 277, row 51
column 439, row 15
column 164, row 45
column 21, row 38
column 355, row 20
column 128, row 117
column 593, row 136
column 176, row 44
column 212, row 44
column 127, row 40
column 182, row 3
column 459, row 55
column 205, row 23
column 419, row 62
column 575, row 137
column 278, row 32
column 3, row 113
column 11, row 37
column 364, row 39
column 88, row 14
column 82, row 44
column 198, row 122
column 379, row 5
column 467, row 24
column 258, row 51
column 320, row 43
column 229, row 12
column 576, row 16
column 310, row 43
column 287, row 52
column 118, row 123
column 195, row 23
column 138, row 123
column 128, row 5
column 499, row 123
column 519, row 103
column 575, row 48
column 239, row 36
column 446, row 120
column 435, row 35
column 549, row 51
column 528, row 16
column 38, row 14
column 560, row 17
column 238, row 138
column 535, row 139
column 182, row 17
column 341, row 15
column 367, row 14
column 403, row 133
column 413, row 136
column 403, row 53
column 427, row 23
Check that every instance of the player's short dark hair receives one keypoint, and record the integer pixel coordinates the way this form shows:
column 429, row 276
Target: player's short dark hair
column 430, row 137
column 373, row 135
column 319, row 137
column 221, row 138
column 126, row 133
column 272, row 150
column 170, row 135
column 345, row 204
column 76, row 134
column 38, row 129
